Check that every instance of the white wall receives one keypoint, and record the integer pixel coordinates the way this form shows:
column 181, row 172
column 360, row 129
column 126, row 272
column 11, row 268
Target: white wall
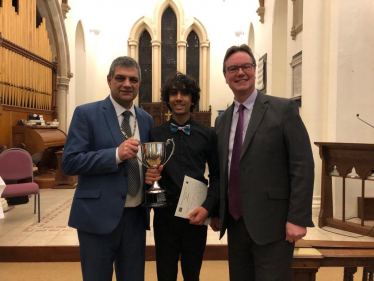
column 355, row 72
column 337, row 58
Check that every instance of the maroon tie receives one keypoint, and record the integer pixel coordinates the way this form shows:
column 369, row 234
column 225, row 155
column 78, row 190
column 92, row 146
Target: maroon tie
column 235, row 206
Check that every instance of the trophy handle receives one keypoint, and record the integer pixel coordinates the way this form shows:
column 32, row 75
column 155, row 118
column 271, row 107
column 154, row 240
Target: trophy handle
column 172, row 151
column 141, row 161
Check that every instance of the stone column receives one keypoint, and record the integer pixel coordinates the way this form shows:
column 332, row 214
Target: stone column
column 314, row 85
column 133, row 44
column 181, row 60
column 204, row 76
column 62, row 92
column 156, row 70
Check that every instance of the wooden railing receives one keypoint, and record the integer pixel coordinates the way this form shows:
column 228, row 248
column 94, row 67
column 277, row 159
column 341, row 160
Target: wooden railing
column 345, row 156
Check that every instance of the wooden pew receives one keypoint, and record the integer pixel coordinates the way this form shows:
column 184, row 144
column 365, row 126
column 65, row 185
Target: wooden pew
column 316, row 254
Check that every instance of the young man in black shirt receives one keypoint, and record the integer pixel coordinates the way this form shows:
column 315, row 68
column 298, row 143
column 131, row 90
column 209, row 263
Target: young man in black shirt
column 195, row 145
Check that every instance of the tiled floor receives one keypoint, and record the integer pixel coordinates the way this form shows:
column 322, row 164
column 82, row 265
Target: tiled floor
column 20, row 225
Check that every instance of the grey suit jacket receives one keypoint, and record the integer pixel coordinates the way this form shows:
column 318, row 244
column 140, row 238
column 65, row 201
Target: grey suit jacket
column 276, row 169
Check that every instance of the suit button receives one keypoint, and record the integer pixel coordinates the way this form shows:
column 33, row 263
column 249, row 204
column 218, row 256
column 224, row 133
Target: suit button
column 125, row 174
column 123, row 197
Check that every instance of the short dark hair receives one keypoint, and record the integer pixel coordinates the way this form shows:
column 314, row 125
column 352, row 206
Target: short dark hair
column 233, row 49
column 126, row 62
column 181, row 82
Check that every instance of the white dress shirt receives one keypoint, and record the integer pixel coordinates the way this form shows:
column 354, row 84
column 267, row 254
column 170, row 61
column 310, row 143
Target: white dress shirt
column 247, row 113
column 130, row 200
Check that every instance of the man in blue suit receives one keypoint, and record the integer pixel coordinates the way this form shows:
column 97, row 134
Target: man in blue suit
column 101, row 148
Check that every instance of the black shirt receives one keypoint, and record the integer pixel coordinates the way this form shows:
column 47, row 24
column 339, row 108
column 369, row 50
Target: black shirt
column 191, row 154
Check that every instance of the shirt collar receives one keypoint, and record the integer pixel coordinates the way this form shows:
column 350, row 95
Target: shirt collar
column 189, row 121
column 248, row 103
column 120, row 109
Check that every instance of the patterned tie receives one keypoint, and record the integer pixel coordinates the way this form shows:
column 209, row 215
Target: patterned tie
column 235, row 206
column 175, row 128
column 132, row 164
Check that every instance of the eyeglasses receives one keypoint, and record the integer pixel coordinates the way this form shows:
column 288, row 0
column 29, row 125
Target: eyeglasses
column 245, row 67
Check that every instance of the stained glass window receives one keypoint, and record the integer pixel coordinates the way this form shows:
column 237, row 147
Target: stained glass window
column 193, row 57
column 145, row 63
column 169, row 44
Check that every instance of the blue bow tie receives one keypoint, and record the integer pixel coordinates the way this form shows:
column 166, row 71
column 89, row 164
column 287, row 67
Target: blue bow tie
column 175, row 128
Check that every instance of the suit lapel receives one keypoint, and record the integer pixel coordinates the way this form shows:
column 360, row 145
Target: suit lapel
column 259, row 109
column 225, row 135
column 112, row 121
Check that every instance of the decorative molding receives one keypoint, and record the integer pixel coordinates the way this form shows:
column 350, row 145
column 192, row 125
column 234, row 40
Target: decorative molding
column 262, row 73
column 296, row 62
column 261, row 10
column 297, row 25
column 63, row 83
column 65, row 8
column 156, row 43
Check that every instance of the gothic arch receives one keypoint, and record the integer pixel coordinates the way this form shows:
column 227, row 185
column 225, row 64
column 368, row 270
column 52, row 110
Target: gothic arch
column 51, row 10
column 159, row 10
column 194, row 24
column 136, row 31
column 153, row 26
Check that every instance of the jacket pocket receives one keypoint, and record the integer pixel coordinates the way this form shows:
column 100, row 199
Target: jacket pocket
column 87, row 193
column 278, row 193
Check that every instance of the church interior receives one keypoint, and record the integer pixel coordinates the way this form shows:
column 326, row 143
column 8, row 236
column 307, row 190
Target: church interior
column 55, row 55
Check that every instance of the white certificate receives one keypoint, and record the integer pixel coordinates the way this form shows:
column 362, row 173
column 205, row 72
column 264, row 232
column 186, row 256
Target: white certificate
column 2, row 187
column 192, row 196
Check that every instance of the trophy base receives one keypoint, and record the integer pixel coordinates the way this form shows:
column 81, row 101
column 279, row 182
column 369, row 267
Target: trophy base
column 155, row 199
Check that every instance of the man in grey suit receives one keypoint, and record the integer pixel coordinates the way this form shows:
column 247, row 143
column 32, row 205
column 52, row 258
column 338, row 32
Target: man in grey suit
column 267, row 175
column 101, row 149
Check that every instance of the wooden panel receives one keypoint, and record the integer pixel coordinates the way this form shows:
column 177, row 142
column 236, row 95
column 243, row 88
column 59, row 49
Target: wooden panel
column 366, row 208
column 161, row 114
column 11, row 116
column 5, row 124
column 37, row 139
column 344, row 156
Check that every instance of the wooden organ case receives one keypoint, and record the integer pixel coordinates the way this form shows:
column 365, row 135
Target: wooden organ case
column 28, row 85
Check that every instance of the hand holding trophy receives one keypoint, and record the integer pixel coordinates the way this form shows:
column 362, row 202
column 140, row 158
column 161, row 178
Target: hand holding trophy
column 154, row 155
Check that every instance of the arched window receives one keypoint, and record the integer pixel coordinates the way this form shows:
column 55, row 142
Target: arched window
column 193, row 57
column 170, row 33
column 169, row 44
column 145, row 63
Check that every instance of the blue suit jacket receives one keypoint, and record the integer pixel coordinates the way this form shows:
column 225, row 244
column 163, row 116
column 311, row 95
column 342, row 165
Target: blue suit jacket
column 90, row 153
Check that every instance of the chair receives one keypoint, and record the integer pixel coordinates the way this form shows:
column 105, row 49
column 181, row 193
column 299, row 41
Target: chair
column 16, row 165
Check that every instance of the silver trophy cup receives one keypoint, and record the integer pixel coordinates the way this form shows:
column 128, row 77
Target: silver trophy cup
column 154, row 155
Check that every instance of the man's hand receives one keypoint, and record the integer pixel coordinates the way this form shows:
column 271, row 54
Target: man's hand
column 198, row 216
column 215, row 224
column 294, row 232
column 153, row 175
column 128, row 149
